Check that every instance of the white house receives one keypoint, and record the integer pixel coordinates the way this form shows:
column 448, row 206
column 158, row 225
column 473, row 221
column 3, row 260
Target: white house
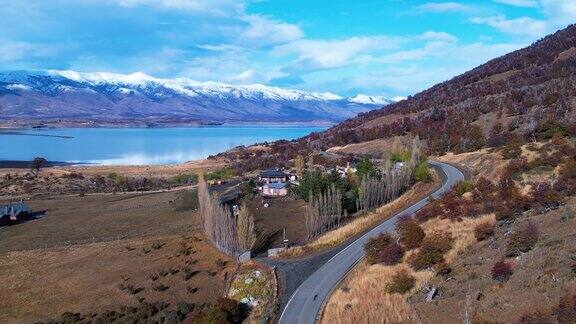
column 274, row 189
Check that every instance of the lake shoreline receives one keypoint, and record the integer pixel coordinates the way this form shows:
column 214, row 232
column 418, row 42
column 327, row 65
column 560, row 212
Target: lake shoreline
column 19, row 125
column 20, row 164
column 137, row 146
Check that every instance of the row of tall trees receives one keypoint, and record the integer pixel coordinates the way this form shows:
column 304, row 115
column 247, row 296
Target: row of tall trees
column 231, row 234
column 382, row 187
column 324, row 211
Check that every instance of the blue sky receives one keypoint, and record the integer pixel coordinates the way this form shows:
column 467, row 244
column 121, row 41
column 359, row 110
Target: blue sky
column 377, row 47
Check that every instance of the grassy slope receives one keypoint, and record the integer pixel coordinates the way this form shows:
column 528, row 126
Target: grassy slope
column 537, row 283
column 74, row 274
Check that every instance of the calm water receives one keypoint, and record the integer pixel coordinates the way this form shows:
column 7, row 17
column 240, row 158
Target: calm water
column 136, row 146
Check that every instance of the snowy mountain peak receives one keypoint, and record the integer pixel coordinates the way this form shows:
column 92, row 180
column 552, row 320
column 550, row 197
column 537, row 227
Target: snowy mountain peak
column 370, row 100
column 188, row 87
column 139, row 95
column 137, row 78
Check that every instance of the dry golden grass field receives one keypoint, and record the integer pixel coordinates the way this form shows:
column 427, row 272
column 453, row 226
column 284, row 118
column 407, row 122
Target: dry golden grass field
column 362, row 296
column 100, row 252
column 539, row 279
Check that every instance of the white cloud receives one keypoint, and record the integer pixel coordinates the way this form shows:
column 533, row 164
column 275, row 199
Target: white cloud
column 438, row 36
column 443, row 7
column 245, row 77
column 220, row 47
column 523, row 26
column 321, row 54
column 557, row 14
column 216, row 7
column 13, row 51
column 431, row 65
column 269, row 31
column 520, row 3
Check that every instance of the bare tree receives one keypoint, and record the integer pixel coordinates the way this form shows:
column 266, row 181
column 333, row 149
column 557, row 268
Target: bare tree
column 299, row 165
column 375, row 192
column 246, row 229
column 37, row 164
column 226, row 232
column 324, row 211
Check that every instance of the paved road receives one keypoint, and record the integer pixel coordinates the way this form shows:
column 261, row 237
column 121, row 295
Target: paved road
column 306, row 302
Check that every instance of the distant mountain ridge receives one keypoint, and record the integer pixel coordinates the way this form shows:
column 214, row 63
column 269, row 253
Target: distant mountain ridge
column 71, row 95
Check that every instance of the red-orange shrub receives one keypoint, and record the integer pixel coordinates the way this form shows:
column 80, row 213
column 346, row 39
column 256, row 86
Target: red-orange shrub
column 432, row 251
column 411, row 234
column 501, row 271
column 375, row 245
column 392, row 254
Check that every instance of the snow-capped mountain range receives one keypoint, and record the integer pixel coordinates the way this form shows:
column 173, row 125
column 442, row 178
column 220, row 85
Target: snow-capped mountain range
column 70, row 95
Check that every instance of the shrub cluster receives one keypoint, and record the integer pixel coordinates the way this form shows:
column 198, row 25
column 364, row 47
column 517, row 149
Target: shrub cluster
column 383, row 249
column 501, row 271
column 392, row 254
column 442, row 269
column 483, row 230
column 375, row 245
column 523, row 239
column 432, row 251
column 463, row 187
column 411, row 234
column 422, row 173
column 226, row 310
column 401, row 283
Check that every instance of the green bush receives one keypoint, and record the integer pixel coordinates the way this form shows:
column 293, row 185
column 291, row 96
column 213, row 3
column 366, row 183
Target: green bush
column 184, row 178
column 366, row 168
column 463, row 187
column 220, row 174
column 400, row 156
column 421, row 172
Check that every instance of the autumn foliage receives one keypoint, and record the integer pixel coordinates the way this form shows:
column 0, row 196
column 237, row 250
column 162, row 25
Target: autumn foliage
column 432, row 251
column 411, row 234
column 375, row 245
column 501, row 271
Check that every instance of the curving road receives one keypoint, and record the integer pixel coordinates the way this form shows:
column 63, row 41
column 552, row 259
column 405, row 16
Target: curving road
column 306, row 302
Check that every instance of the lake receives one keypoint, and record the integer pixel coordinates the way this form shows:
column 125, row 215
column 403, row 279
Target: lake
column 138, row 146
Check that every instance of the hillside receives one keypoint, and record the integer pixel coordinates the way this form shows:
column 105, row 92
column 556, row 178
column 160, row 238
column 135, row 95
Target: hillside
column 521, row 96
column 48, row 95
column 521, row 90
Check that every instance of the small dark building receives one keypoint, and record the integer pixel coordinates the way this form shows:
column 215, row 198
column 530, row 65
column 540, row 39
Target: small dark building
column 273, row 175
column 14, row 212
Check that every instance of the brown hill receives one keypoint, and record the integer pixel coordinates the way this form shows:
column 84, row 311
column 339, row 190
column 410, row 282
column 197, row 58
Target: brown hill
column 526, row 94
